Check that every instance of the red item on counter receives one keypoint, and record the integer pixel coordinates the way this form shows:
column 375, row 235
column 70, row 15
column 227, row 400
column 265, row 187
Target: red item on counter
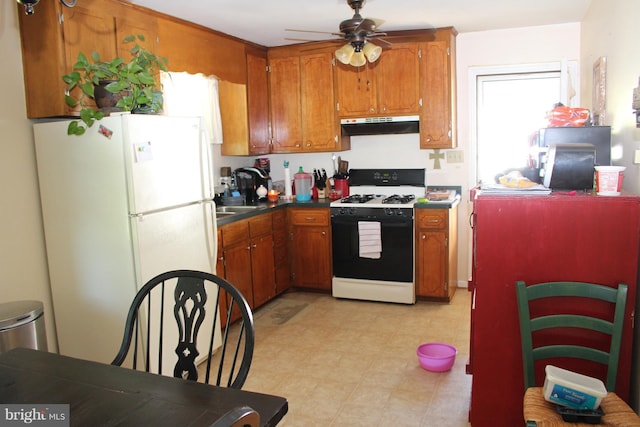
column 567, row 117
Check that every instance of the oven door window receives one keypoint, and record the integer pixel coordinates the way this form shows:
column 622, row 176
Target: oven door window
column 396, row 259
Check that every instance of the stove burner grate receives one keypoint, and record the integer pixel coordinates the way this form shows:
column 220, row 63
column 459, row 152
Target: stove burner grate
column 357, row 198
column 399, row 199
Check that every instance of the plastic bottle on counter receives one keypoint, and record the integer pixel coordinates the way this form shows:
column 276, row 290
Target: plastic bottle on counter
column 287, row 179
column 304, row 184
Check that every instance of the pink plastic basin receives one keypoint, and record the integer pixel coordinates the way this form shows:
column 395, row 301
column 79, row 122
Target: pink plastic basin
column 436, row 356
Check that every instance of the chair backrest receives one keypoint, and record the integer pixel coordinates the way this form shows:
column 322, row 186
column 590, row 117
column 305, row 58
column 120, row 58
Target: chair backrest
column 180, row 315
column 610, row 326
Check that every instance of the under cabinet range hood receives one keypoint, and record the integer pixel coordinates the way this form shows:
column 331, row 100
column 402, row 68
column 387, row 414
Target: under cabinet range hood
column 380, row 125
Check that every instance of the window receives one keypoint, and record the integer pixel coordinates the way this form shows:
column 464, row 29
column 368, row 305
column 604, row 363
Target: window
column 511, row 105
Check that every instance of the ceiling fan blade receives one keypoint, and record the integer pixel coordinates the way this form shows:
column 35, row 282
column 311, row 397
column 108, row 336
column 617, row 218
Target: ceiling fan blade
column 386, row 42
column 312, row 31
column 378, row 22
column 300, row 40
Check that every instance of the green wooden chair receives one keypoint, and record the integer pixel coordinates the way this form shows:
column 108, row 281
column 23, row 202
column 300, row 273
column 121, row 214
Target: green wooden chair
column 537, row 411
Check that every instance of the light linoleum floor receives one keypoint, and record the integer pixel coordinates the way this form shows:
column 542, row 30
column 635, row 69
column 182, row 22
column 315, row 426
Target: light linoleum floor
column 353, row 363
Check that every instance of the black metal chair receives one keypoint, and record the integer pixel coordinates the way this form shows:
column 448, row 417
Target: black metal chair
column 169, row 312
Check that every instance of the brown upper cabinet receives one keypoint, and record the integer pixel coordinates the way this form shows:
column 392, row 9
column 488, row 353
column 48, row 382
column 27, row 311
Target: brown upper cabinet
column 51, row 41
column 301, row 99
column 389, row 86
column 438, row 88
column 285, row 99
column 285, row 104
column 52, row 38
column 244, row 109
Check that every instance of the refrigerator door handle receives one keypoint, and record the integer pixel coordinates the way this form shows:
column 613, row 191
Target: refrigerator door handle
column 212, row 232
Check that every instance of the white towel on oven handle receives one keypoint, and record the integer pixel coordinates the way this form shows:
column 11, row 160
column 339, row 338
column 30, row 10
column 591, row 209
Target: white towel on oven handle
column 369, row 239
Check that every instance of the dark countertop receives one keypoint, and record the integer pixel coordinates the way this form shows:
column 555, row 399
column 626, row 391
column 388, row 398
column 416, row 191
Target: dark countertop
column 268, row 206
column 322, row 203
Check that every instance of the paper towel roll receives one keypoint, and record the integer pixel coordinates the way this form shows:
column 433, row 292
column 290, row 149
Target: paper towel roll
column 287, row 182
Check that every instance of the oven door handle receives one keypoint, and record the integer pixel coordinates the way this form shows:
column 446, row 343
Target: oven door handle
column 384, row 222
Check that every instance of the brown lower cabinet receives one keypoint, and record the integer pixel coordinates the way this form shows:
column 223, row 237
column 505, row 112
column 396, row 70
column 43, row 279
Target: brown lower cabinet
column 281, row 251
column 310, row 248
column 436, row 253
column 245, row 258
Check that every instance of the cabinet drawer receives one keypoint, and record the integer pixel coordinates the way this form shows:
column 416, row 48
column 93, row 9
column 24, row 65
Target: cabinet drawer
column 260, row 225
column 234, row 232
column 431, row 218
column 310, row 216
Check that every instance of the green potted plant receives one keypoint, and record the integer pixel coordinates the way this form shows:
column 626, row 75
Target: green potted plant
column 132, row 82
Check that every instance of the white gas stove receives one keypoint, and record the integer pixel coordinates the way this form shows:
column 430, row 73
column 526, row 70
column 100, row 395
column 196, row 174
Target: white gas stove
column 372, row 235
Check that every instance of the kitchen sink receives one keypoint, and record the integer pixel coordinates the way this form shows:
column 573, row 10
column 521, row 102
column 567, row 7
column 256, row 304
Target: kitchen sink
column 237, row 209
column 220, row 214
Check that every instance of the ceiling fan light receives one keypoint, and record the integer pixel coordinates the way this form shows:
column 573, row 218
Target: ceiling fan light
column 28, row 6
column 344, row 54
column 358, row 59
column 372, row 52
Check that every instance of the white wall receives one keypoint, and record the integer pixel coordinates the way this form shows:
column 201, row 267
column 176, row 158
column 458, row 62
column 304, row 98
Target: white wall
column 23, row 266
column 610, row 29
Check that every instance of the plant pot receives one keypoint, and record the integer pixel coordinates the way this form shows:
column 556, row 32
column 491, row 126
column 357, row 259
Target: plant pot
column 106, row 101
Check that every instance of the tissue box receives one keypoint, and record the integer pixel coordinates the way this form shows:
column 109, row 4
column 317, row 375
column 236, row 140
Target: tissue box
column 573, row 390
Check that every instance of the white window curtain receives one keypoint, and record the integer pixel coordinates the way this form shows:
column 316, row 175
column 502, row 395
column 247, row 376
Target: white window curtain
column 196, row 95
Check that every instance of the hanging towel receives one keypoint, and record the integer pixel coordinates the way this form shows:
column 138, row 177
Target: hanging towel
column 369, row 239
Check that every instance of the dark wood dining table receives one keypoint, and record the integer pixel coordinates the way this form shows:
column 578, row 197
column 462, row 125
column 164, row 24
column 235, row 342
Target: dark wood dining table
column 101, row 394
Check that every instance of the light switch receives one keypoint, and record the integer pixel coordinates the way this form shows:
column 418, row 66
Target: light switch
column 636, row 157
column 456, row 156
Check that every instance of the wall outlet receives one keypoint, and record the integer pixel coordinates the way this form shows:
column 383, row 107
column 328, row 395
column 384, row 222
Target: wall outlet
column 636, row 157
column 456, row 156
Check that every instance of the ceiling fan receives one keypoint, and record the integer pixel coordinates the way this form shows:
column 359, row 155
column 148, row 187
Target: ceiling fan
column 357, row 31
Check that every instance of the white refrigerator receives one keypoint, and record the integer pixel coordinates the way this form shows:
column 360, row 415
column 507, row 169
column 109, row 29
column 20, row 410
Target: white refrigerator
column 129, row 199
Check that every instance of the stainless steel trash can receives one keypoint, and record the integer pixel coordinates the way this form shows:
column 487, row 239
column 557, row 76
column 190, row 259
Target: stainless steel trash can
column 22, row 325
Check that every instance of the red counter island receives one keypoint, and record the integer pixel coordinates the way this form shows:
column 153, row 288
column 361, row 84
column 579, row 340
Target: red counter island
column 557, row 237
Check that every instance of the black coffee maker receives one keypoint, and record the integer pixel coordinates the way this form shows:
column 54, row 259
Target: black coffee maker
column 249, row 180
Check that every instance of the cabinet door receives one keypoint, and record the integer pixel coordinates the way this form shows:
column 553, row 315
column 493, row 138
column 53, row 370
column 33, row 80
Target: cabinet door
column 87, row 31
column 356, row 90
column 311, row 257
column 319, row 124
column 236, row 255
column 436, row 120
column 126, row 27
column 398, row 80
column 258, row 103
column 262, row 269
column 284, row 96
column 280, row 252
column 431, row 271
column 237, row 268
column 50, row 49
